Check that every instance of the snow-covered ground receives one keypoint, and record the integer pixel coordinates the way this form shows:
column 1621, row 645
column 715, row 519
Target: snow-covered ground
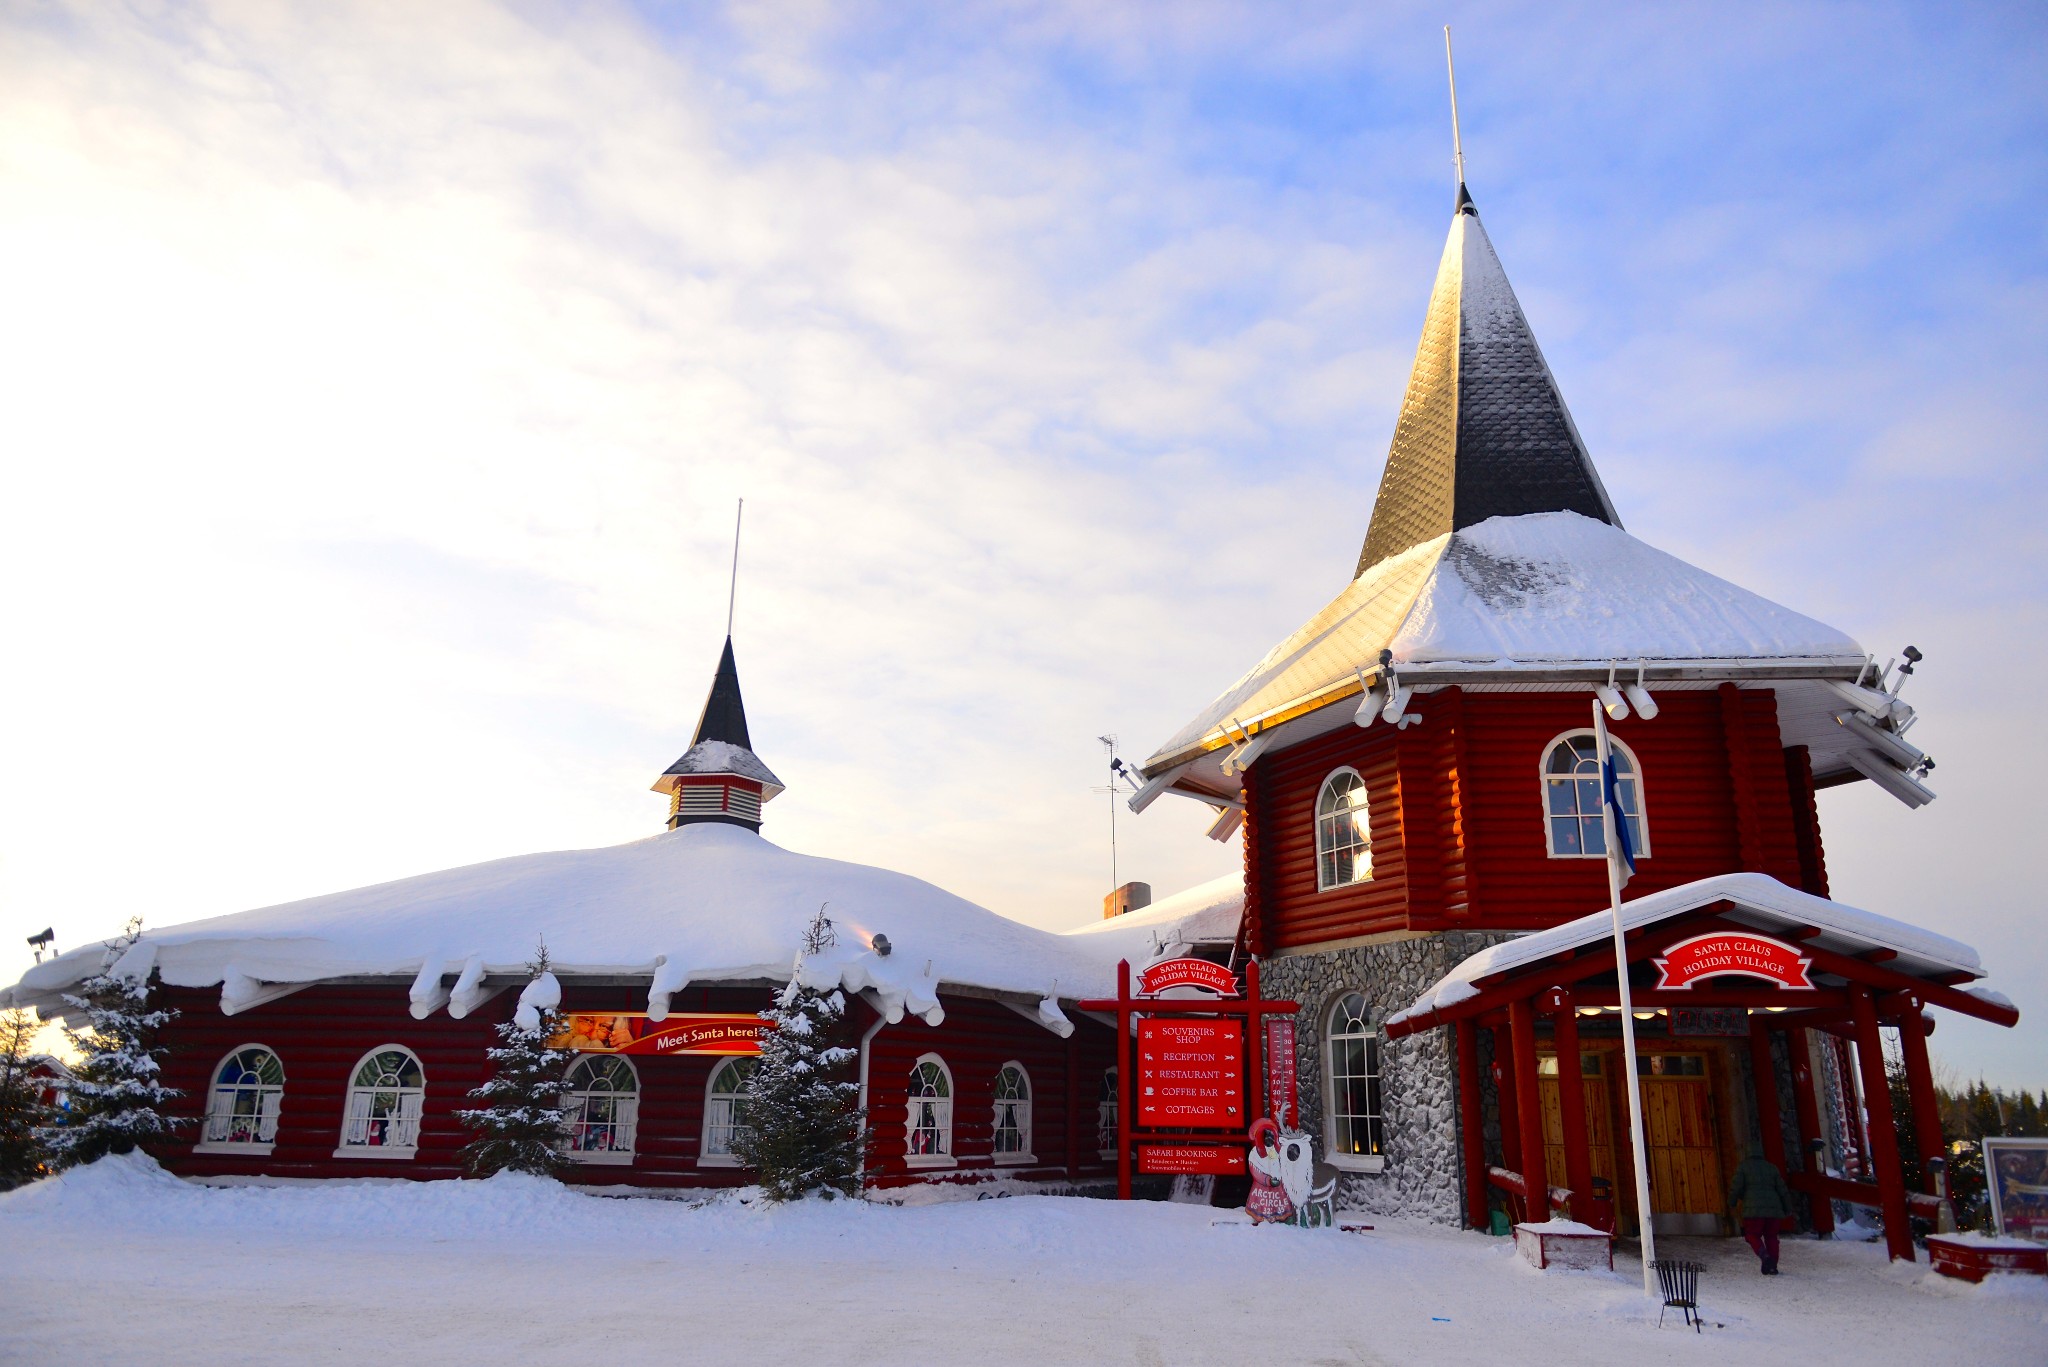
column 123, row 1264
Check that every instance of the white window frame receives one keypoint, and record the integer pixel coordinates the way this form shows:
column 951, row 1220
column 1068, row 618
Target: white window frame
column 1334, row 1019
column 1108, row 1105
column 1361, row 868
column 269, row 1105
column 406, row 1122
column 629, row 1124
column 942, row 1111
column 1021, row 1108
column 1545, row 779
column 718, row 1106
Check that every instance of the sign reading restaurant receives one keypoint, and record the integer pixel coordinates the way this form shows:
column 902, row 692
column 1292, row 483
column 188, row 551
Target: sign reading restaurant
column 631, row 1032
column 1190, row 1074
column 1726, row 953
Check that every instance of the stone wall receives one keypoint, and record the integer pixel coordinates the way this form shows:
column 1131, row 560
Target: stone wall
column 1422, row 1178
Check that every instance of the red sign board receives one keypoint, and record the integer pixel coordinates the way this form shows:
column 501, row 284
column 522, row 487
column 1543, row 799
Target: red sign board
column 1187, row 973
column 1191, row 1074
column 631, row 1032
column 1280, row 1097
column 1190, row 1158
column 1728, row 953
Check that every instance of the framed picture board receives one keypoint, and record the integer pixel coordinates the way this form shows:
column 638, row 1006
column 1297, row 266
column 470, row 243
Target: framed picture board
column 2016, row 1178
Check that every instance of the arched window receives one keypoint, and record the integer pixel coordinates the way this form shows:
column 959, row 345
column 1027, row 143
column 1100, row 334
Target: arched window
column 1351, row 1091
column 1571, row 797
column 242, row 1107
column 1106, row 1115
column 725, row 1112
column 930, row 1121
column 1013, row 1115
column 1343, row 839
column 385, row 1094
column 601, row 1102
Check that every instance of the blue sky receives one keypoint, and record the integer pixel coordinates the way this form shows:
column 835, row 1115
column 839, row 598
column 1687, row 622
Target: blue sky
column 383, row 378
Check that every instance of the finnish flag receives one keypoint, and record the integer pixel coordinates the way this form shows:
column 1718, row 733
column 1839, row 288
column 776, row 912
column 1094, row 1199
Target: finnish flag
column 1624, row 843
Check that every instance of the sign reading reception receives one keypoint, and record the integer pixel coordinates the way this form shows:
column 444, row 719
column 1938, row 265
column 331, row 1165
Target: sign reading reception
column 631, row 1032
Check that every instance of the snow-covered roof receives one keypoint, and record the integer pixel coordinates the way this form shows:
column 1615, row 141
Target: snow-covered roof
column 702, row 903
column 1205, row 914
column 723, row 757
column 1537, row 589
column 1755, row 899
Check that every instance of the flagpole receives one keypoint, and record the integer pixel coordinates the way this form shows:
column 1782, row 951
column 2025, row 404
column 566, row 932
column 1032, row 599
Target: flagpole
column 1631, row 1081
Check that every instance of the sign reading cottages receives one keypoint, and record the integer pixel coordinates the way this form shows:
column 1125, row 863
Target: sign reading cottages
column 1727, row 953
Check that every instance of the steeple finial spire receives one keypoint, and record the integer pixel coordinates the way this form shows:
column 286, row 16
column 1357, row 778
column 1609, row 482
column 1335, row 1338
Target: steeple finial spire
column 1457, row 139
column 732, row 583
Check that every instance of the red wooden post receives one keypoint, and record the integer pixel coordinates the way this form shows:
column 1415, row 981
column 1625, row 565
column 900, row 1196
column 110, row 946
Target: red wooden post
column 1571, row 1105
column 1529, row 1103
column 1884, row 1139
column 1255, row 1048
column 1927, row 1137
column 1806, row 1109
column 1124, row 1081
column 1504, row 1084
column 1472, row 1124
column 1765, row 1076
column 1074, row 1104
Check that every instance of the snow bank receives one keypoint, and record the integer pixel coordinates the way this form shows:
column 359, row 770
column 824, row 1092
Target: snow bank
column 703, row 903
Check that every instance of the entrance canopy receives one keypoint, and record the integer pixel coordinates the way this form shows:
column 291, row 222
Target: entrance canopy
column 1840, row 944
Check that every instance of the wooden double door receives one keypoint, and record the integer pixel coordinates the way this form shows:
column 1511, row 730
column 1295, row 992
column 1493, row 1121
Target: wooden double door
column 1681, row 1131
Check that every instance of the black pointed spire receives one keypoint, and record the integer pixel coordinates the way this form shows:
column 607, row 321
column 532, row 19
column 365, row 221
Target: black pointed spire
column 725, row 715
column 1483, row 430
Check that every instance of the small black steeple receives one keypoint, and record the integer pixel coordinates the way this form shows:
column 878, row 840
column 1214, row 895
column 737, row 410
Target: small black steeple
column 719, row 778
column 724, row 716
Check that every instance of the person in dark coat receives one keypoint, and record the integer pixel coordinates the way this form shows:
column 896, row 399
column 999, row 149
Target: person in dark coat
column 1759, row 1198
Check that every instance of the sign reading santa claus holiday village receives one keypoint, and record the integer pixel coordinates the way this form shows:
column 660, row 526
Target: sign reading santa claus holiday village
column 1725, row 953
column 1193, row 1067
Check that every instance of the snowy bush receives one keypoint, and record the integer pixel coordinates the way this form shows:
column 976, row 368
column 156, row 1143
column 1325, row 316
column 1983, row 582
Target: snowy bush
column 23, row 1156
column 115, row 1094
column 521, row 1127
column 804, row 1132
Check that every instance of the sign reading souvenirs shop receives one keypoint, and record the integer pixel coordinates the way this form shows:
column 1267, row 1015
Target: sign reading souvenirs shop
column 633, row 1032
column 1184, row 1099
column 1738, row 953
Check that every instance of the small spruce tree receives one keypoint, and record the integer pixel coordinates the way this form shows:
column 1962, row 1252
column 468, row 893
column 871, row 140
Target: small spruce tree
column 23, row 1157
column 116, row 1097
column 521, row 1126
column 804, row 1133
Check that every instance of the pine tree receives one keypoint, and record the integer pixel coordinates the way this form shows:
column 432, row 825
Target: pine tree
column 115, row 1094
column 23, row 1156
column 804, row 1133
column 2026, row 1117
column 521, row 1126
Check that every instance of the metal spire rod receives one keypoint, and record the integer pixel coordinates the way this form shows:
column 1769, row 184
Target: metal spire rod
column 1457, row 140
column 732, row 588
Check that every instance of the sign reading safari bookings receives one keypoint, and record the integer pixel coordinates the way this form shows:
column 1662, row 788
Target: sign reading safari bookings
column 1726, row 953
column 631, row 1032
column 1191, row 1074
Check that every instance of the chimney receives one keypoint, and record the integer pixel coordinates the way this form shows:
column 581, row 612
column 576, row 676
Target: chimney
column 1129, row 897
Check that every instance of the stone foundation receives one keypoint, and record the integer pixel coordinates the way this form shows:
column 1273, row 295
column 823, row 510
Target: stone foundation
column 1422, row 1177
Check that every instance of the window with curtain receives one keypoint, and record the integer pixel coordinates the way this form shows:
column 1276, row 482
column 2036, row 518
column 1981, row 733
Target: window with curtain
column 1013, row 1115
column 242, row 1105
column 930, row 1121
column 725, row 1111
column 385, row 1096
column 601, row 1103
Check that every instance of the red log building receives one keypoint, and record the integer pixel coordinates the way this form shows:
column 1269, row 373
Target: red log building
column 1413, row 773
column 338, row 1037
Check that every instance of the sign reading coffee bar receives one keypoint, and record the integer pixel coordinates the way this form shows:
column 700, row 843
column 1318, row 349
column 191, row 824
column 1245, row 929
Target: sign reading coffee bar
column 631, row 1032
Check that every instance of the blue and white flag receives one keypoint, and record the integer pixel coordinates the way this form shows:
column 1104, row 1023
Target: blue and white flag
column 1624, row 843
